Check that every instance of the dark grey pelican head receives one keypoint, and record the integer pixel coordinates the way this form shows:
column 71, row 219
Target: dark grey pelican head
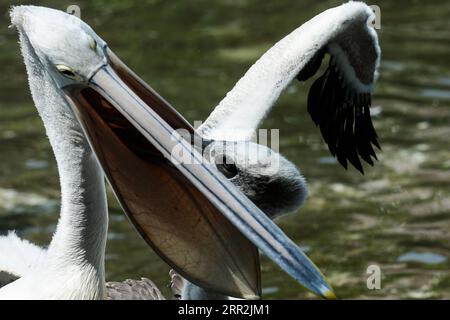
column 271, row 181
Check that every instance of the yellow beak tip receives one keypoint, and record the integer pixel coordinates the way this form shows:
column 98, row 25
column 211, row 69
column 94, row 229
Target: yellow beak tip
column 330, row 295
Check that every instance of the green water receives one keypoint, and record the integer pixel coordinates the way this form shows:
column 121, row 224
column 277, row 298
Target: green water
column 396, row 216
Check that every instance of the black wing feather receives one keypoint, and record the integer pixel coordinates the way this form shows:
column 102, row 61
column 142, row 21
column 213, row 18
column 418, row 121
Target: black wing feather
column 342, row 114
column 312, row 66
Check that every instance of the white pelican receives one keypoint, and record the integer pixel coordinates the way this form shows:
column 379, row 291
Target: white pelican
column 338, row 103
column 95, row 109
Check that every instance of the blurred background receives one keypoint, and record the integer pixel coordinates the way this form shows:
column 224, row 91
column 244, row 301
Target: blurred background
column 192, row 52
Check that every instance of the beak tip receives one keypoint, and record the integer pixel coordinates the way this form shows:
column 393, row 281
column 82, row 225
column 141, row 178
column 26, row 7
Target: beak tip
column 329, row 295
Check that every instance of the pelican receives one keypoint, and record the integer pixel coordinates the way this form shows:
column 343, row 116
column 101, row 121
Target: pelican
column 338, row 102
column 102, row 120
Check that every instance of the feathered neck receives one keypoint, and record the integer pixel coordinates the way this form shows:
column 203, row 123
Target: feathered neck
column 80, row 239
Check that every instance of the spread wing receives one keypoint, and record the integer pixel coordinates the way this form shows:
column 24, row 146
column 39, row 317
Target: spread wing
column 339, row 101
column 143, row 289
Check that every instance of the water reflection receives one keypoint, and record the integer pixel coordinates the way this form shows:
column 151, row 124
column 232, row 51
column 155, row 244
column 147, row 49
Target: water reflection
column 422, row 257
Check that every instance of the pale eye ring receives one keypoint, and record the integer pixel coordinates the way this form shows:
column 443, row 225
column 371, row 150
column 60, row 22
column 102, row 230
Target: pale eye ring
column 66, row 71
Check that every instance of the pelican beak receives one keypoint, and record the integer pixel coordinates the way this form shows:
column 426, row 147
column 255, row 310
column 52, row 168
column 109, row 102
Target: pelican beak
column 187, row 211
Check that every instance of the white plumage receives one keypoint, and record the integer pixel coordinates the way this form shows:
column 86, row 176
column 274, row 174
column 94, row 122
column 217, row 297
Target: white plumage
column 73, row 265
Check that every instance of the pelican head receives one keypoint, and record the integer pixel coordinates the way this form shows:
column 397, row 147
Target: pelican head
column 190, row 214
column 65, row 46
column 271, row 181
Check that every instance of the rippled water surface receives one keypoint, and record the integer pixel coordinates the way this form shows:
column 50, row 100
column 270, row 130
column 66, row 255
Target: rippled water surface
column 396, row 216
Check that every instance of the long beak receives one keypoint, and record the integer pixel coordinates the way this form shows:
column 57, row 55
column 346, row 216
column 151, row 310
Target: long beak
column 189, row 213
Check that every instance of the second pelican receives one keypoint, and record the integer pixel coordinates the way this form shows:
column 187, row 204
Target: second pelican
column 194, row 218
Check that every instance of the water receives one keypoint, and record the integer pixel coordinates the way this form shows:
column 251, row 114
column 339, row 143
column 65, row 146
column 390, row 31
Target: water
column 422, row 257
column 396, row 216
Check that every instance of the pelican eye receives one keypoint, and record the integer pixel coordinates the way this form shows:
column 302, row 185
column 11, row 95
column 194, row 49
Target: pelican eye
column 66, row 71
column 92, row 43
column 227, row 167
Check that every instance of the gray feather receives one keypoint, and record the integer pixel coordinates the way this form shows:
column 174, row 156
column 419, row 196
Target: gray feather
column 143, row 289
